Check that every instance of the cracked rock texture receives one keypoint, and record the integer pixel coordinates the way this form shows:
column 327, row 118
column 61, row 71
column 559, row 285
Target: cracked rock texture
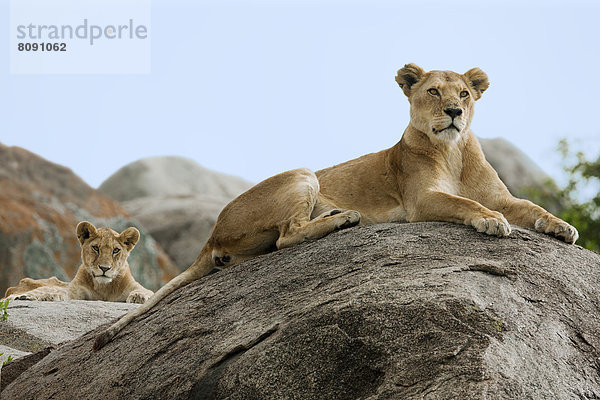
column 41, row 204
column 393, row 311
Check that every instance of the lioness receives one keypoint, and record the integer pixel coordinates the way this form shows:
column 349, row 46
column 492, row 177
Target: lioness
column 103, row 274
column 436, row 172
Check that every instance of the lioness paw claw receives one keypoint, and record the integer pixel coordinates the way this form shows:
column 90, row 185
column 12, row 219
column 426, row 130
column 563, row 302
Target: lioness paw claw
column 492, row 225
column 557, row 227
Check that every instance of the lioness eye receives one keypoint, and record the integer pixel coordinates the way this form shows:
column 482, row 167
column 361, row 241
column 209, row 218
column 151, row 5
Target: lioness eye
column 433, row 92
column 464, row 93
column 116, row 250
column 95, row 248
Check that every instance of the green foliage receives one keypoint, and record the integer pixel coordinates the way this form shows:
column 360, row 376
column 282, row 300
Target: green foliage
column 9, row 359
column 579, row 199
column 3, row 308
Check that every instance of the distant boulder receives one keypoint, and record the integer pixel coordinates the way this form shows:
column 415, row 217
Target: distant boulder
column 170, row 176
column 40, row 206
column 175, row 199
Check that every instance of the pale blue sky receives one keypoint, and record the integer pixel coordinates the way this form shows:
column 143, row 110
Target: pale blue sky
column 253, row 88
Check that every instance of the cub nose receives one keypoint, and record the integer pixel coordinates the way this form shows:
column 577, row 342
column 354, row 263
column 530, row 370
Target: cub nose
column 453, row 112
column 103, row 268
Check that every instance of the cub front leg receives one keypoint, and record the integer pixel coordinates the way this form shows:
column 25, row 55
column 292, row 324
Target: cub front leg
column 440, row 206
column 46, row 293
column 529, row 215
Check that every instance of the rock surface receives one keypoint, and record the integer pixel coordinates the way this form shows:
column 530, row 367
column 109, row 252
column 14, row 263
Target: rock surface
column 411, row 311
column 33, row 325
column 175, row 199
column 40, row 206
column 39, row 326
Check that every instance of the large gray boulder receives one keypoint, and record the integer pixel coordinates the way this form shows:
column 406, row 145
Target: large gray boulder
column 402, row 311
column 175, row 199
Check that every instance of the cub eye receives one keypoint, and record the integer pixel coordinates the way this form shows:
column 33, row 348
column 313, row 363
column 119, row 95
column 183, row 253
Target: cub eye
column 464, row 93
column 116, row 250
column 96, row 249
column 433, row 92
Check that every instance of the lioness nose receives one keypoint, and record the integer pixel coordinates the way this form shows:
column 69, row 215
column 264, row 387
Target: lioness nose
column 103, row 268
column 453, row 112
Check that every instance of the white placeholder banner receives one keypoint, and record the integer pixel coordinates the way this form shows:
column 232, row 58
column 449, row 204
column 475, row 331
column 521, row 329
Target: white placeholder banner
column 80, row 36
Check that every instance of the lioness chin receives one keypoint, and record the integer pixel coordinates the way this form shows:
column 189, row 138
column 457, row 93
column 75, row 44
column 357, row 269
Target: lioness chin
column 436, row 172
column 104, row 272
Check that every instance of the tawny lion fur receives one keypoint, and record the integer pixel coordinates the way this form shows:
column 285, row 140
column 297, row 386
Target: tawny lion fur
column 104, row 273
column 437, row 172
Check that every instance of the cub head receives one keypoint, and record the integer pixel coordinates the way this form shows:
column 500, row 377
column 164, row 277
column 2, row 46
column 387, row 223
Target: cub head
column 104, row 252
column 441, row 102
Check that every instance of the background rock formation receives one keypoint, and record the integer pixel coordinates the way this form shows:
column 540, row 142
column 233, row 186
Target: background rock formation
column 40, row 206
column 412, row 311
column 175, row 199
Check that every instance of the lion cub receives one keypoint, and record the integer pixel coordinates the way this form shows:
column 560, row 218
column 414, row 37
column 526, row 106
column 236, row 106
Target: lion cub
column 103, row 274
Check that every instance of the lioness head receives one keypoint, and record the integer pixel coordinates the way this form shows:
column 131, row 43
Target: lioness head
column 104, row 252
column 441, row 102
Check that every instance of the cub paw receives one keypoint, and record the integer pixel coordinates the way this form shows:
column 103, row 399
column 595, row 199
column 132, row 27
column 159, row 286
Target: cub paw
column 493, row 224
column 22, row 296
column 36, row 297
column 350, row 218
column 557, row 227
column 138, row 297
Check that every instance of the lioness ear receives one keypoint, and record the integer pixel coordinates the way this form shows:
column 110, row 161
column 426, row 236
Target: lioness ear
column 85, row 230
column 129, row 237
column 408, row 76
column 478, row 81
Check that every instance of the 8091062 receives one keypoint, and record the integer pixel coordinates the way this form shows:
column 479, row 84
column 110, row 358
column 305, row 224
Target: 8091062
column 43, row 46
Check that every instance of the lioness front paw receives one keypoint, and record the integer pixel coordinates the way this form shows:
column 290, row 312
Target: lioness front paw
column 557, row 227
column 138, row 297
column 492, row 224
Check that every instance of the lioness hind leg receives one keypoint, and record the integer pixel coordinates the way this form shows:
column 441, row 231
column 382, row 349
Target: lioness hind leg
column 300, row 231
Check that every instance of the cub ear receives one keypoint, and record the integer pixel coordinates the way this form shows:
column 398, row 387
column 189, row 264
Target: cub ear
column 408, row 76
column 478, row 80
column 85, row 230
column 129, row 237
